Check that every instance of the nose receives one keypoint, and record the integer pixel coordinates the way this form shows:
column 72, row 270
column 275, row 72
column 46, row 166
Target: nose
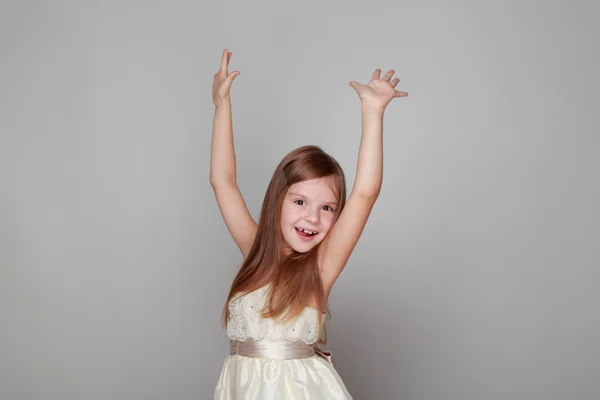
column 312, row 216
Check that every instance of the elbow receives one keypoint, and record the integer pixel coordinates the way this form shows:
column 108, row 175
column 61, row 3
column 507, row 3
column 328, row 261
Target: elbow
column 220, row 177
column 368, row 193
column 214, row 183
column 219, row 182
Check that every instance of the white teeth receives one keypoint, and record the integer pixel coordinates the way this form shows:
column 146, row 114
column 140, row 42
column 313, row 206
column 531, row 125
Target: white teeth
column 307, row 232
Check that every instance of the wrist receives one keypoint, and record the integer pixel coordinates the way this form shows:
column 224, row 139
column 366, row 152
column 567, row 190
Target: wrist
column 372, row 108
column 224, row 102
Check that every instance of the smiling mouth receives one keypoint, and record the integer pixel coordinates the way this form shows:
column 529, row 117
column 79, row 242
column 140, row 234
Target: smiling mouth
column 305, row 232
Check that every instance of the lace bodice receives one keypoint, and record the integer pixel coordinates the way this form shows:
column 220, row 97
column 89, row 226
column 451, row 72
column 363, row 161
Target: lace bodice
column 245, row 321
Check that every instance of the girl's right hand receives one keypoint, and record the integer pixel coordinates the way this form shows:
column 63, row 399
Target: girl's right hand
column 223, row 80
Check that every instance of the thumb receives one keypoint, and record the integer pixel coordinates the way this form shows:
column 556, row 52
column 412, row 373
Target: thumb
column 354, row 85
column 231, row 77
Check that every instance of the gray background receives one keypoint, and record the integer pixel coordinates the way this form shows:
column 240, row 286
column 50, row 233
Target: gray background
column 476, row 276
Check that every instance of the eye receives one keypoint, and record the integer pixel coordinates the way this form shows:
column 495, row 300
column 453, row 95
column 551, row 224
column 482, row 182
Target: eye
column 299, row 202
column 327, row 208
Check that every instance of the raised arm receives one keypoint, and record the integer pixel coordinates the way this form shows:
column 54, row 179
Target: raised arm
column 223, row 176
column 339, row 244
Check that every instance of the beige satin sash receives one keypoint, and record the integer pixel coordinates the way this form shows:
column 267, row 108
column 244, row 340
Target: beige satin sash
column 277, row 350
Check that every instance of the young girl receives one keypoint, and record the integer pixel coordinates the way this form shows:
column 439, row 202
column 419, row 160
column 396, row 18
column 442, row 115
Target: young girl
column 307, row 230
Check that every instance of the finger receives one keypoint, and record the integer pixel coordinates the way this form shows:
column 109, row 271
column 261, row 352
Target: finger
column 388, row 76
column 376, row 74
column 401, row 94
column 224, row 60
column 394, row 82
column 354, row 84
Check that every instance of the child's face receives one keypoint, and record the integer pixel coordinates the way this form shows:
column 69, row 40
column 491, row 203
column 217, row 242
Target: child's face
column 311, row 206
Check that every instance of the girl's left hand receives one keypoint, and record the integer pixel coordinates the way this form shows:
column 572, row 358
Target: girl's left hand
column 379, row 91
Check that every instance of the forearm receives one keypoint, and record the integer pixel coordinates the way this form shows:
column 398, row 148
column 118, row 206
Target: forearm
column 369, row 172
column 222, row 156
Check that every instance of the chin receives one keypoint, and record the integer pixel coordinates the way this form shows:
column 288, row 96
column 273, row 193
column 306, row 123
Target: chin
column 302, row 250
column 304, row 247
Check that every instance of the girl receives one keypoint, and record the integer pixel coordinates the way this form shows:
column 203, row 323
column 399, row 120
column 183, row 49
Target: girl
column 307, row 230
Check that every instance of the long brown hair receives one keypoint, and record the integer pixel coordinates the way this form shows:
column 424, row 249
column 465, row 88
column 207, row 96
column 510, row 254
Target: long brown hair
column 294, row 279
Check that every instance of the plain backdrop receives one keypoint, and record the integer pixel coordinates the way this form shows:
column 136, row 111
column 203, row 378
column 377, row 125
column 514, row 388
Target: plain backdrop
column 476, row 276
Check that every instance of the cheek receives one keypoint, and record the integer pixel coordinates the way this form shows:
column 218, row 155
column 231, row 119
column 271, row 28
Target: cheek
column 287, row 215
column 284, row 219
column 327, row 221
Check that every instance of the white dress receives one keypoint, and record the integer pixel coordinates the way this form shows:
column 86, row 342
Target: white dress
column 259, row 378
